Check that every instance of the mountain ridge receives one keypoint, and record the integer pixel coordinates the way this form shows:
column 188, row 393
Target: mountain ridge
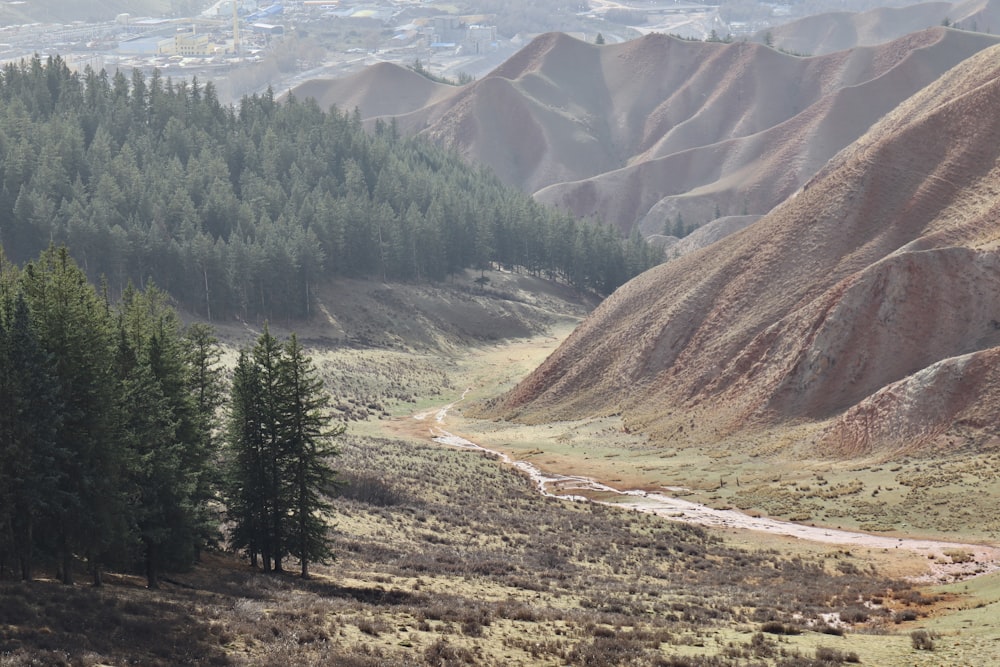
column 642, row 132
column 820, row 34
column 886, row 266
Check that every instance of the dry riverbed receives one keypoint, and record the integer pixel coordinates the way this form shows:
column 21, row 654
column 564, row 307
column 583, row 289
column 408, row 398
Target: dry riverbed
column 945, row 561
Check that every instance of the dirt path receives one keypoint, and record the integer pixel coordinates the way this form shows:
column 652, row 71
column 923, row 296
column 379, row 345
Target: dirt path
column 973, row 559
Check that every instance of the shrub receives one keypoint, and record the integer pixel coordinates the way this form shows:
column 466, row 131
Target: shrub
column 922, row 640
column 854, row 615
column 441, row 653
column 368, row 489
column 778, row 628
column 829, row 655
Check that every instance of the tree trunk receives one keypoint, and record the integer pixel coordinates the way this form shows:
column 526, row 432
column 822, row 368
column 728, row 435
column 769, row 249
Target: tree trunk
column 208, row 303
column 25, row 556
column 152, row 576
column 66, row 575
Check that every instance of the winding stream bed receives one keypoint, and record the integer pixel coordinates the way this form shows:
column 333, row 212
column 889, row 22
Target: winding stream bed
column 983, row 559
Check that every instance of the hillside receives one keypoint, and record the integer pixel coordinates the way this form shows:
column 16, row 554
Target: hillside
column 838, row 31
column 249, row 212
column 867, row 305
column 646, row 130
column 366, row 90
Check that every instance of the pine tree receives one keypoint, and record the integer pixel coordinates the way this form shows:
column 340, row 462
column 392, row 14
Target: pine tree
column 306, row 439
column 157, row 484
column 245, row 484
column 267, row 357
column 207, row 385
column 163, row 433
column 257, row 505
column 28, row 427
column 74, row 325
column 279, row 446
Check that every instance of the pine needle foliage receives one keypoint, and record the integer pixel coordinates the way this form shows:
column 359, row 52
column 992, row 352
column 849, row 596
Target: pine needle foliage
column 280, row 445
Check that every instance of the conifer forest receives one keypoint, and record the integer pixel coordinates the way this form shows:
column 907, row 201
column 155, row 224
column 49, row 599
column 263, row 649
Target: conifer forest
column 240, row 210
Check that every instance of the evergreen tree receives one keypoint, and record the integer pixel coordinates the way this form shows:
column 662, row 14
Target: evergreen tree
column 267, row 355
column 306, row 439
column 164, row 433
column 157, row 484
column 28, row 427
column 207, row 386
column 74, row 325
column 278, row 451
column 245, row 488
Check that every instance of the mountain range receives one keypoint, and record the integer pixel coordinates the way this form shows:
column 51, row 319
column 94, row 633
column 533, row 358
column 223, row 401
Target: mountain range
column 863, row 313
column 843, row 288
column 657, row 131
column 836, row 31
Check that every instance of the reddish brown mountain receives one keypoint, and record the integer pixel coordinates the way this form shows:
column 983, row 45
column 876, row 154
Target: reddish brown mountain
column 641, row 131
column 380, row 90
column 837, row 31
column 868, row 304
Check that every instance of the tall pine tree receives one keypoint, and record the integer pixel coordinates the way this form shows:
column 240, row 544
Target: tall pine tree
column 307, row 443
column 28, row 427
column 75, row 326
column 279, row 443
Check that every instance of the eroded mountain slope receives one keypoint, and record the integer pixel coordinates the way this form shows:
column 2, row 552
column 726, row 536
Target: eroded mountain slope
column 868, row 304
column 642, row 131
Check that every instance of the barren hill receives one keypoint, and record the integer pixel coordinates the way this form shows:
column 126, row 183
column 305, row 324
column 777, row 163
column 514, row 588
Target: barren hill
column 642, row 131
column 837, row 31
column 380, row 90
column 867, row 305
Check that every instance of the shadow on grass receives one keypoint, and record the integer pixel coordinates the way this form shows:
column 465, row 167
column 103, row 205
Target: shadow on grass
column 373, row 596
column 48, row 623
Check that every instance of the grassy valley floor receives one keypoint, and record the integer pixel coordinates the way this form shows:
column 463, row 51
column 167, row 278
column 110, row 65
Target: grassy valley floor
column 450, row 557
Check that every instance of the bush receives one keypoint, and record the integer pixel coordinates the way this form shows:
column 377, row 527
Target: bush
column 854, row 615
column 922, row 640
column 778, row 628
column 368, row 489
column 826, row 655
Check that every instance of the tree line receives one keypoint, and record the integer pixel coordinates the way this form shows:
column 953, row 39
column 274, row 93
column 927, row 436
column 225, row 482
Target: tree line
column 111, row 452
column 243, row 209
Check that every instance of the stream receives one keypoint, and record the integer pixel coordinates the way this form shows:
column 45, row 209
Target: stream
column 983, row 558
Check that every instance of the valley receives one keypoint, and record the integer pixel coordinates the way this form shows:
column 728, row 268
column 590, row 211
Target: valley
column 448, row 557
column 651, row 351
column 597, row 460
column 554, row 456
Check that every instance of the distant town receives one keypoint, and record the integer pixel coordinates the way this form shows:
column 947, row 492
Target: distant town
column 244, row 46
